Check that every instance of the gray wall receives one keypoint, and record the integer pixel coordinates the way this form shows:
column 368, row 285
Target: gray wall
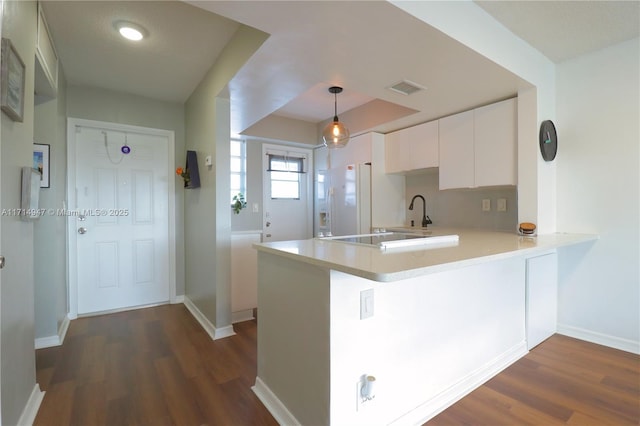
column 461, row 207
column 207, row 210
column 50, row 250
column 17, row 367
column 124, row 108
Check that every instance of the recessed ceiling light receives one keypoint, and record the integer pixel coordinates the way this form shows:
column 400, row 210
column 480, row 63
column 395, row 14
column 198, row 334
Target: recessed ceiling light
column 130, row 31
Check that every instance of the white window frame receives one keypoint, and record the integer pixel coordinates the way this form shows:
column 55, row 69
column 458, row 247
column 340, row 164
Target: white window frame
column 243, row 169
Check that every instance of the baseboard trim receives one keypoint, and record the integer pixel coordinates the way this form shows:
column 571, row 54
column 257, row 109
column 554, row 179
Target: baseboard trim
column 239, row 316
column 178, row 299
column 462, row 388
column 212, row 331
column 57, row 340
column 30, row 410
column 600, row 338
column 277, row 409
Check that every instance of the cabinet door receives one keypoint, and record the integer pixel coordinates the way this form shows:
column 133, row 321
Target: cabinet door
column 495, row 135
column 542, row 298
column 457, row 161
column 424, row 146
column 397, row 151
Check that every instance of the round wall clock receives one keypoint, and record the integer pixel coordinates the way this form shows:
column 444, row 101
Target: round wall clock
column 548, row 140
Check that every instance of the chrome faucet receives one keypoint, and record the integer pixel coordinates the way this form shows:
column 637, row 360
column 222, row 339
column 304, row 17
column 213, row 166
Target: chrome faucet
column 426, row 220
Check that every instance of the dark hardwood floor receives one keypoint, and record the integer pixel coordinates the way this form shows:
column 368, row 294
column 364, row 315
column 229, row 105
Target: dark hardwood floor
column 153, row 366
column 157, row 366
column 563, row 381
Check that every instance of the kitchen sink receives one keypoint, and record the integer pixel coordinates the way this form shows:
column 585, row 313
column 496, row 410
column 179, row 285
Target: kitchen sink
column 392, row 240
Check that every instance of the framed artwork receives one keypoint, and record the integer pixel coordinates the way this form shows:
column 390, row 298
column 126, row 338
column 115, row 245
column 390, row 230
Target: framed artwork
column 12, row 82
column 41, row 163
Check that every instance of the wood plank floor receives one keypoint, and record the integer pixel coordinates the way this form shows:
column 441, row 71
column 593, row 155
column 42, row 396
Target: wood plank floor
column 563, row 381
column 153, row 366
column 157, row 366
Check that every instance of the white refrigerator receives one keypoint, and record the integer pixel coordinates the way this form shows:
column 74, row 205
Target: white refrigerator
column 343, row 200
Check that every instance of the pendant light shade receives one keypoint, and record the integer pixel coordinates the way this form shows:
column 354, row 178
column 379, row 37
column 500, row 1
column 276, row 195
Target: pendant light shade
column 335, row 134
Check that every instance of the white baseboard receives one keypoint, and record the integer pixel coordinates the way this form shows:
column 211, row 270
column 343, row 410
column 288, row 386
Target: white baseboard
column 57, row 340
column 212, row 331
column 30, row 410
column 178, row 299
column 600, row 338
column 240, row 316
column 466, row 385
column 277, row 409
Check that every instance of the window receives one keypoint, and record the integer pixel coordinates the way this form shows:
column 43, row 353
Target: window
column 238, row 168
column 285, row 176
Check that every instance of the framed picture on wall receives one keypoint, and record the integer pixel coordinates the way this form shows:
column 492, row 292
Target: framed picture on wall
column 41, row 162
column 12, row 82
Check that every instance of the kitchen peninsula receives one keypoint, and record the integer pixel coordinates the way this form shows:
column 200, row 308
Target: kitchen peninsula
column 430, row 324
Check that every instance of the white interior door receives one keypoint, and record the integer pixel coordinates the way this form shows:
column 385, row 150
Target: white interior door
column 287, row 193
column 121, row 219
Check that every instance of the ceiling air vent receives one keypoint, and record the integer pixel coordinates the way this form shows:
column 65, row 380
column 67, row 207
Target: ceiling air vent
column 406, row 87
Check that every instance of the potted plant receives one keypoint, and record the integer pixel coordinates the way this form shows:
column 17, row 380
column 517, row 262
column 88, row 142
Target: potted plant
column 238, row 203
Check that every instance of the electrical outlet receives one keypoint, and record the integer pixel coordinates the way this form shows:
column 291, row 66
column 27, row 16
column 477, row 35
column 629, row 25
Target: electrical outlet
column 256, row 208
column 486, row 205
column 502, row 205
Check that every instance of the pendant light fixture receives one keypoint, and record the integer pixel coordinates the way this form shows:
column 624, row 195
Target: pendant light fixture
column 335, row 135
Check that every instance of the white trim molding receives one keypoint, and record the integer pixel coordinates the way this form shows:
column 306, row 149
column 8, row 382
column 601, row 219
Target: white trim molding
column 212, row 331
column 57, row 340
column 30, row 411
column 240, row 316
column 462, row 388
column 277, row 409
column 614, row 342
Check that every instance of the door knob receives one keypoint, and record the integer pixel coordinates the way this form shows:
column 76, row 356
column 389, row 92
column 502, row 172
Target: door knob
column 2, row 261
column 268, row 224
column 82, row 230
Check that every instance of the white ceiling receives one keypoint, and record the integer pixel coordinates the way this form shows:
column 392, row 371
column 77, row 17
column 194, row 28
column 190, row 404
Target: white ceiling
column 183, row 43
column 362, row 46
column 563, row 30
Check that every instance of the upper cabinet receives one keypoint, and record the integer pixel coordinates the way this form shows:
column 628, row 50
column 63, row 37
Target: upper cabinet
column 479, row 148
column 46, row 78
column 457, row 151
column 495, row 135
column 413, row 148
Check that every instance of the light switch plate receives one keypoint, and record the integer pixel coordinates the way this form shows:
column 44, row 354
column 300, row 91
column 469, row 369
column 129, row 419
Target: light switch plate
column 366, row 303
column 502, row 205
column 486, row 205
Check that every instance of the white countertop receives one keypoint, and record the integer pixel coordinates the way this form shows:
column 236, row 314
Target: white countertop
column 474, row 246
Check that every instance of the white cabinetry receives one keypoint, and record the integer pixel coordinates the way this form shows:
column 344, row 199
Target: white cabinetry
column 494, row 137
column 413, row 148
column 244, row 274
column 456, row 151
column 541, row 297
column 478, row 147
